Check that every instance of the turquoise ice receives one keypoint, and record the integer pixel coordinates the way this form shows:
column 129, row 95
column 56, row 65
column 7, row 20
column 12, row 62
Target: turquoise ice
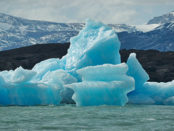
column 97, row 44
column 19, row 88
column 90, row 74
column 148, row 92
column 102, row 85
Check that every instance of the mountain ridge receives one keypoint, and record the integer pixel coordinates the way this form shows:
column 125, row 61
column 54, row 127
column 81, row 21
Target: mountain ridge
column 166, row 18
column 18, row 32
column 15, row 30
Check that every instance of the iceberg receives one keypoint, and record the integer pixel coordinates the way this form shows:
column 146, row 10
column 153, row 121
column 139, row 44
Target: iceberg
column 148, row 92
column 102, row 85
column 96, row 44
column 45, row 66
column 18, row 87
column 91, row 74
column 48, row 81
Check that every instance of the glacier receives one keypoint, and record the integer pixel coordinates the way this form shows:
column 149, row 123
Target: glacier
column 91, row 74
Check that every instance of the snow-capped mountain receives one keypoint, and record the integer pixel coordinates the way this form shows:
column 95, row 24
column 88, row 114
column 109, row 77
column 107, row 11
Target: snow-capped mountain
column 166, row 18
column 157, row 34
column 161, row 38
column 146, row 27
column 123, row 28
column 18, row 32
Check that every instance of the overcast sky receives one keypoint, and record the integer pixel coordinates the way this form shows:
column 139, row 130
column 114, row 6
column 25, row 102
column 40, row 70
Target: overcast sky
column 107, row 11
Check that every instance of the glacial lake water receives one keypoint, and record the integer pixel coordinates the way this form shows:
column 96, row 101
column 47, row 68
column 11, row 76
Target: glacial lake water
column 99, row 118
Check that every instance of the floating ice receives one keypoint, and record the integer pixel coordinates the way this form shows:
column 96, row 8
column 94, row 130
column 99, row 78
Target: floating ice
column 102, row 85
column 136, row 70
column 161, row 93
column 96, row 44
column 44, row 66
column 148, row 92
column 105, row 72
column 19, row 75
column 90, row 74
column 18, row 88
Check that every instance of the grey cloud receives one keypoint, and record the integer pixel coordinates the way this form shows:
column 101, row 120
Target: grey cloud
column 110, row 11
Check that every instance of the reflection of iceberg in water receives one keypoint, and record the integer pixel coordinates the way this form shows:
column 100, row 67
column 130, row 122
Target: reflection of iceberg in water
column 90, row 74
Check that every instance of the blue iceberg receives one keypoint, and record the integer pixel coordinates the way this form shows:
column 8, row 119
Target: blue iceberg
column 46, row 83
column 148, row 92
column 90, row 74
column 19, row 88
column 96, row 44
column 102, row 85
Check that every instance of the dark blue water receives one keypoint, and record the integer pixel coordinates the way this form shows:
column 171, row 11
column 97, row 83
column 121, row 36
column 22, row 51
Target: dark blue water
column 101, row 118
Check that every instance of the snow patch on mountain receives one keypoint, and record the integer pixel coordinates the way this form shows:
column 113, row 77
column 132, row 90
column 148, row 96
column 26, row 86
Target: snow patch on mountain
column 18, row 32
column 146, row 28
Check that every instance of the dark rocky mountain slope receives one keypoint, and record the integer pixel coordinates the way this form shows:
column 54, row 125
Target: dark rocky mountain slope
column 159, row 65
column 162, row 38
column 28, row 56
